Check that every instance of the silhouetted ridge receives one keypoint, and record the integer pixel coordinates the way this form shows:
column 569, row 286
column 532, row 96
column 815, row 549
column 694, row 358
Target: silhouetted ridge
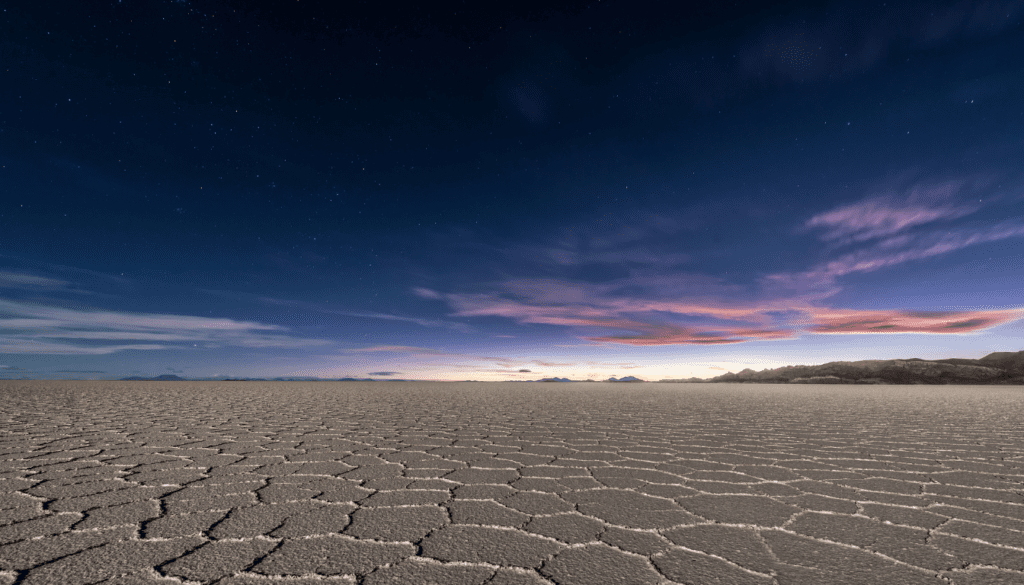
column 995, row 368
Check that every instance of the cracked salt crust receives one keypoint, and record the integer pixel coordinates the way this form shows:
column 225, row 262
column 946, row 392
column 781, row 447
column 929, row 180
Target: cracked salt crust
column 961, row 491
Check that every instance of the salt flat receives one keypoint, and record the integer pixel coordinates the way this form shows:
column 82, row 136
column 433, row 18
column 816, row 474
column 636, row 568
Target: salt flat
column 245, row 483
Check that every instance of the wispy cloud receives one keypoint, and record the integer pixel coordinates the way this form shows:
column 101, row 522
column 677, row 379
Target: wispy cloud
column 23, row 280
column 21, row 344
column 898, row 250
column 583, row 305
column 850, row 321
column 881, row 216
column 60, row 278
column 417, row 320
column 548, row 364
column 40, row 329
column 36, row 283
column 669, row 335
column 398, row 349
column 360, row 314
column 612, row 289
column 426, row 293
column 896, row 227
column 651, row 322
column 640, row 239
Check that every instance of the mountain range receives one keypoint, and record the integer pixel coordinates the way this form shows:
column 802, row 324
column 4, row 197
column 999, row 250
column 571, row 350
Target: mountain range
column 995, row 368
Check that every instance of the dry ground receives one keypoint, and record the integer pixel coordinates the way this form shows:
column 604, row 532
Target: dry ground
column 247, row 483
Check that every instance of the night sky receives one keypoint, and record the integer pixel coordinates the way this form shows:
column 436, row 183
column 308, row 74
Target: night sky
column 472, row 191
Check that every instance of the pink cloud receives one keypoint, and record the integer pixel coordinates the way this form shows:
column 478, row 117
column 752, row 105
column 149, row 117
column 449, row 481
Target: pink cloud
column 690, row 336
column 881, row 257
column 851, row 321
column 425, row 293
column 751, row 312
column 557, row 302
column 542, row 302
column 655, row 307
column 648, row 322
column 883, row 216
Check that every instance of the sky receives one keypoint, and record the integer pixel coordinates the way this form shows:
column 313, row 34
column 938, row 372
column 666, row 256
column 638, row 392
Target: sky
column 470, row 191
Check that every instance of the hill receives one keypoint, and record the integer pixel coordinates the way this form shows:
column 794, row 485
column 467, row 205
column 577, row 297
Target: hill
column 995, row 368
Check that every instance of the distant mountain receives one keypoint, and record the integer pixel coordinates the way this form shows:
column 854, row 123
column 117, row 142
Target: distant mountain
column 995, row 368
column 296, row 379
column 160, row 378
column 626, row 379
column 1009, row 361
column 683, row 380
column 543, row 380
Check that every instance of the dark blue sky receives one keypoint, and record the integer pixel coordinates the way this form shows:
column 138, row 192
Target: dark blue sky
column 453, row 191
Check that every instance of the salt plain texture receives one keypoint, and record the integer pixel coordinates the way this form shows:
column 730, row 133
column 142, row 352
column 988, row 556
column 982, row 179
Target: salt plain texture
column 246, row 483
